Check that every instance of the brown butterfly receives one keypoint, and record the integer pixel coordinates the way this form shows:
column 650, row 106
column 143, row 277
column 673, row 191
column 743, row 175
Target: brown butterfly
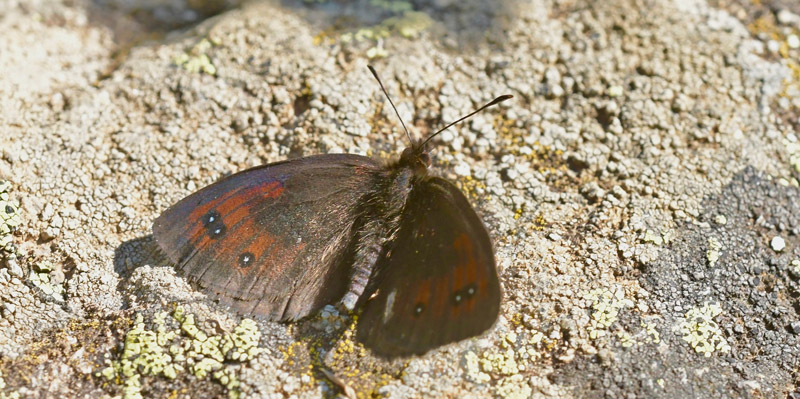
column 282, row 240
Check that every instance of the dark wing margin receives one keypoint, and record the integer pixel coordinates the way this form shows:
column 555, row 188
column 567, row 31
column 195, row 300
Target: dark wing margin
column 437, row 282
column 270, row 241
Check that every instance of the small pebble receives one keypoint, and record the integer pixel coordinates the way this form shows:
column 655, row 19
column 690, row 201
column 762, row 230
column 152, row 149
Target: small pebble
column 786, row 17
column 777, row 244
column 773, row 46
column 446, row 136
column 793, row 41
column 462, row 169
column 795, row 327
column 13, row 268
column 57, row 276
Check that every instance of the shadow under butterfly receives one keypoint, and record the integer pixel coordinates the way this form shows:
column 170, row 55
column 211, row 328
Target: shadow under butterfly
column 282, row 240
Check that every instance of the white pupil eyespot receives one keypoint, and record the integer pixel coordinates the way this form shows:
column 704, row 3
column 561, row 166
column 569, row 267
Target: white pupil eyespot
column 458, row 298
column 217, row 231
column 471, row 290
column 210, row 219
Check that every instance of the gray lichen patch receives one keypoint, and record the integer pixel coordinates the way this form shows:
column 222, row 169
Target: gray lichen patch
column 9, row 217
column 702, row 307
column 49, row 279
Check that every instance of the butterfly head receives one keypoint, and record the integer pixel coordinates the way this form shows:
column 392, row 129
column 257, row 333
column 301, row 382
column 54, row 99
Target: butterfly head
column 417, row 158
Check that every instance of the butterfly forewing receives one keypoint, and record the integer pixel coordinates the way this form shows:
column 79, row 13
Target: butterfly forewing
column 271, row 241
column 437, row 282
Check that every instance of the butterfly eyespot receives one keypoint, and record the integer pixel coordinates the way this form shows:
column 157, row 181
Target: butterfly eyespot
column 217, row 230
column 470, row 290
column 465, row 293
column 210, row 217
column 213, row 224
column 246, row 259
column 418, row 309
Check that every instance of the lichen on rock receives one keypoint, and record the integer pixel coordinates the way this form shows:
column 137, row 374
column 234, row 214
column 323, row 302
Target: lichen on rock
column 175, row 345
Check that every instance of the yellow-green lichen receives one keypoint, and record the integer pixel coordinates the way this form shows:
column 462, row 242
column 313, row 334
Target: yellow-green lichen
column 132, row 388
column 714, row 251
column 230, row 381
column 142, row 353
column 653, row 237
column 242, row 345
column 197, row 60
column 473, row 366
column 377, row 51
column 625, row 339
column 373, row 33
column 409, row 25
column 652, row 334
column 606, row 305
column 9, row 217
column 502, row 362
column 514, row 355
column 514, row 387
column 701, row 331
column 176, row 345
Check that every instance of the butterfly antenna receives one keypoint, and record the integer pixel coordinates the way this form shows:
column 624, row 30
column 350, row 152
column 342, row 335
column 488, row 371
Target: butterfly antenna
column 375, row 74
column 493, row 102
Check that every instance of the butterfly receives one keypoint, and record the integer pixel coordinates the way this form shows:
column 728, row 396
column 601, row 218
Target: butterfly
column 282, row 240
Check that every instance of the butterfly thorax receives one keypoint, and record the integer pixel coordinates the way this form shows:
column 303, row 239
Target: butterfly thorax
column 379, row 218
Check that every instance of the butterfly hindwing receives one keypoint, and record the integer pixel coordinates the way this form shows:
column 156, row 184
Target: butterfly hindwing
column 270, row 241
column 437, row 282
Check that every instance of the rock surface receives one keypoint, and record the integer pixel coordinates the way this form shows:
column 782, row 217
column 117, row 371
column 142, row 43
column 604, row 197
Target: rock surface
column 641, row 189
